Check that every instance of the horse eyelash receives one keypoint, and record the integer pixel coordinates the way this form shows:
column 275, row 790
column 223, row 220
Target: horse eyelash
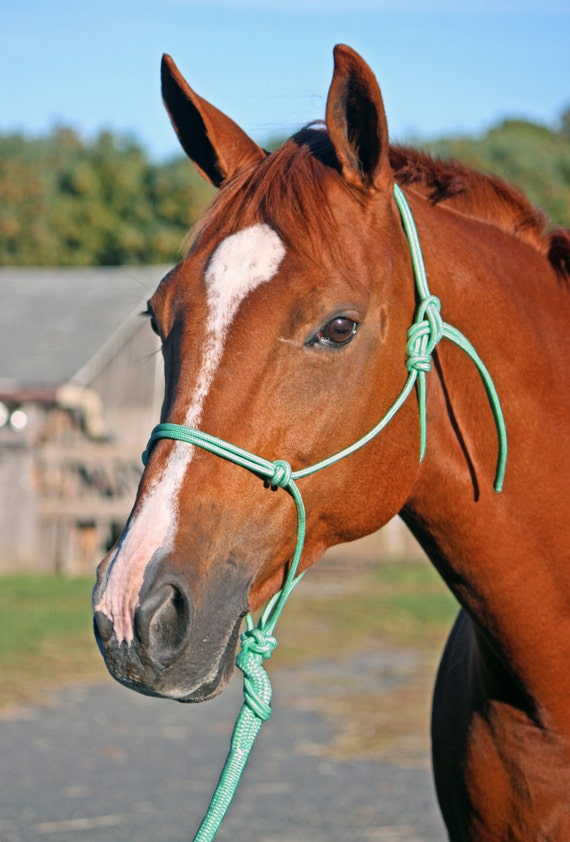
column 148, row 314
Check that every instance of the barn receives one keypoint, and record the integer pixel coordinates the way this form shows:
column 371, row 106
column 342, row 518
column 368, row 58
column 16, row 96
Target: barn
column 81, row 386
column 80, row 389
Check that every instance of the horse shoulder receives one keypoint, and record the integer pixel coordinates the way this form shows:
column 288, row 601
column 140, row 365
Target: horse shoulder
column 499, row 775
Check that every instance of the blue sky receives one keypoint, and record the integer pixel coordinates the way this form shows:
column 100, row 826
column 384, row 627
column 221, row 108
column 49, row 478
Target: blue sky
column 443, row 66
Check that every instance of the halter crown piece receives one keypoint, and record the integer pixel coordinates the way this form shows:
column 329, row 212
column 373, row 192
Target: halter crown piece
column 258, row 642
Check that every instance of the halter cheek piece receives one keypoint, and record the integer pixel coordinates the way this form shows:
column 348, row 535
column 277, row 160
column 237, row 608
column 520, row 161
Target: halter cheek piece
column 258, row 642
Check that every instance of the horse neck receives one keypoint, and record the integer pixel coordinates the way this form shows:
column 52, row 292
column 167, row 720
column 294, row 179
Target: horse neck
column 503, row 555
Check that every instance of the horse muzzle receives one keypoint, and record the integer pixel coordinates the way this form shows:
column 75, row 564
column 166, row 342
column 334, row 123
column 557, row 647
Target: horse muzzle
column 173, row 650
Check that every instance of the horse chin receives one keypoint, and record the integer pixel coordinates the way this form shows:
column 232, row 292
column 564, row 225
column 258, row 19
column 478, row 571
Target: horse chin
column 213, row 686
column 186, row 680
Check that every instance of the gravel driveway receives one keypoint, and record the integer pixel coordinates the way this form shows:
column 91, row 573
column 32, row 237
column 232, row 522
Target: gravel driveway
column 103, row 763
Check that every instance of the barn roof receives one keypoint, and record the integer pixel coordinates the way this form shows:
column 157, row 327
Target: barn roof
column 54, row 322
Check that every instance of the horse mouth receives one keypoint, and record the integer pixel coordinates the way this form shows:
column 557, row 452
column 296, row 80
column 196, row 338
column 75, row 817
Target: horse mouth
column 200, row 673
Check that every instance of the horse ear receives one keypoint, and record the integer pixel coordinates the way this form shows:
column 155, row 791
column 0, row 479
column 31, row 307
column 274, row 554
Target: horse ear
column 217, row 146
column 356, row 122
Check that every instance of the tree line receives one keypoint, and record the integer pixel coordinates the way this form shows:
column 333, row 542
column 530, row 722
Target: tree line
column 71, row 202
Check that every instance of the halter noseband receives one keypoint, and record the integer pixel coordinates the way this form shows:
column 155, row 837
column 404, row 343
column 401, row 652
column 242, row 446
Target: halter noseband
column 258, row 642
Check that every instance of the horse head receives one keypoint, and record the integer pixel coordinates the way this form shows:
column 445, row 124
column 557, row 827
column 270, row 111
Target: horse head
column 283, row 332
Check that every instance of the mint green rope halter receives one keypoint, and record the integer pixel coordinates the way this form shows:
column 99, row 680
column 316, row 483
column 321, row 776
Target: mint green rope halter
column 258, row 642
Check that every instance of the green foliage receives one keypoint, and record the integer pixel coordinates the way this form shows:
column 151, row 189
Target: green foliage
column 534, row 158
column 66, row 202
column 69, row 202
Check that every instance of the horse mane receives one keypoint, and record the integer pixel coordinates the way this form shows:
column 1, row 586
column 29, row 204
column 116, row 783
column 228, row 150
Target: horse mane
column 482, row 196
column 290, row 187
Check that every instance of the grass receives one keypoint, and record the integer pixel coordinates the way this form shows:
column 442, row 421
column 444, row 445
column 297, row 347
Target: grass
column 46, row 641
column 403, row 604
column 399, row 615
column 46, row 637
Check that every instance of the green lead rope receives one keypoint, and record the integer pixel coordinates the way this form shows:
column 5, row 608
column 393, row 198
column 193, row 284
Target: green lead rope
column 258, row 642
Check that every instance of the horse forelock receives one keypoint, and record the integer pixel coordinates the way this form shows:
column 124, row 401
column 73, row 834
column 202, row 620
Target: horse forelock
column 290, row 190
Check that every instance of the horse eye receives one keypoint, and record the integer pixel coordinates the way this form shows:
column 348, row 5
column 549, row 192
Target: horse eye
column 152, row 321
column 338, row 332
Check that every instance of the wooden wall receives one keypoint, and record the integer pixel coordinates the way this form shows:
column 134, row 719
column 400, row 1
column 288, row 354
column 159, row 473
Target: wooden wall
column 64, row 497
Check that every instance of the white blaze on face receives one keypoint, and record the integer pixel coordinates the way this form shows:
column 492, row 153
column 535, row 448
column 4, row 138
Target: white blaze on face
column 237, row 266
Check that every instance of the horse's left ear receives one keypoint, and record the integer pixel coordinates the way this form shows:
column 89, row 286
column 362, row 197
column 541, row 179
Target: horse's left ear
column 356, row 123
column 217, row 146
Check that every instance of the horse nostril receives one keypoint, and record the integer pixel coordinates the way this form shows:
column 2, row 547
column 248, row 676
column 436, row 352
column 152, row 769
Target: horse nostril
column 103, row 628
column 162, row 622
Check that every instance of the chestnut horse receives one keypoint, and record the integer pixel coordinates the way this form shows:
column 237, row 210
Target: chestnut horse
column 284, row 332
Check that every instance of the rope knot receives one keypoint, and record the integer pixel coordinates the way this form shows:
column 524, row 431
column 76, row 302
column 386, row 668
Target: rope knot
column 257, row 642
column 282, row 472
column 256, row 686
column 424, row 334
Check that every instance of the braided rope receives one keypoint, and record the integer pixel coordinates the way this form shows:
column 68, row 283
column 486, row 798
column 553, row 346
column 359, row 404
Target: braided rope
column 258, row 643
column 256, row 709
